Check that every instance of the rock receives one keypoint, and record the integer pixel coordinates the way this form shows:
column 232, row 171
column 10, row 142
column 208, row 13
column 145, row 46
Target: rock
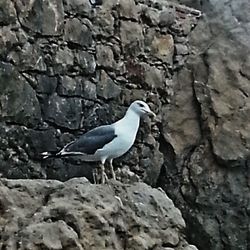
column 18, row 100
column 62, row 112
column 63, row 61
column 128, row 9
column 77, row 87
column 181, row 49
column 190, row 247
column 154, row 78
column 80, row 7
column 7, row 12
column 48, row 22
column 78, row 65
column 106, row 88
column 131, row 37
column 39, row 213
column 214, row 170
column 183, row 130
column 31, row 58
column 104, row 56
column 46, row 85
column 104, row 22
column 151, row 16
column 86, row 62
column 167, row 17
column 78, row 33
column 8, row 40
column 163, row 48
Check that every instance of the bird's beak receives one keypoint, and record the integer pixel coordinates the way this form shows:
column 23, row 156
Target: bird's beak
column 151, row 113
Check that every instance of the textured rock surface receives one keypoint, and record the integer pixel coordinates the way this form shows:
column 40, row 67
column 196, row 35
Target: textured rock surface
column 39, row 214
column 68, row 66
column 207, row 131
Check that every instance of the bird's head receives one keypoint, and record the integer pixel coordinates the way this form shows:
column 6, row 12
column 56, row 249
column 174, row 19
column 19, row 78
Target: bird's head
column 141, row 108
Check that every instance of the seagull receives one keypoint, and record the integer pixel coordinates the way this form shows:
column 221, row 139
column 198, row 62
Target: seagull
column 107, row 142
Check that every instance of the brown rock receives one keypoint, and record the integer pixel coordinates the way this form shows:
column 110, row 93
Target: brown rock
column 180, row 119
column 163, row 48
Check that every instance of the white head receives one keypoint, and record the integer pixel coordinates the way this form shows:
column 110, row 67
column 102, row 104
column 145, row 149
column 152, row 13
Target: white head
column 141, row 108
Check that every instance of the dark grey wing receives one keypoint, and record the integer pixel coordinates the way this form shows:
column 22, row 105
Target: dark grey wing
column 92, row 140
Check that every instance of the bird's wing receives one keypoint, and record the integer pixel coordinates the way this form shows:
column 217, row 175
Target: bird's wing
column 93, row 140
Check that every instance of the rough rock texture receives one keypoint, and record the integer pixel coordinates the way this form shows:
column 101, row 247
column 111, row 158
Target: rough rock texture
column 46, row 214
column 206, row 129
column 68, row 66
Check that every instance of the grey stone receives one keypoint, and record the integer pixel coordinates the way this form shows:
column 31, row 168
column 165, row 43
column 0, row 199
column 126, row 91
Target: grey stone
column 77, row 86
column 7, row 12
column 30, row 57
column 106, row 88
column 86, row 62
column 78, row 33
column 154, row 78
column 63, row 60
column 81, row 7
column 128, row 9
column 104, row 56
column 46, row 85
column 104, row 22
column 18, row 100
column 56, row 215
column 64, row 112
column 151, row 16
column 131, row 37
column 181, row 49
column 44, row 17
column 167, row 17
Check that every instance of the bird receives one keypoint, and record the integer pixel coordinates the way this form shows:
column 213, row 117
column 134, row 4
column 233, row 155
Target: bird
column 107, row 142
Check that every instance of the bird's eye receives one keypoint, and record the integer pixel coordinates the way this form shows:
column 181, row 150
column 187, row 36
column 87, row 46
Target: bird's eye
column 141, row 105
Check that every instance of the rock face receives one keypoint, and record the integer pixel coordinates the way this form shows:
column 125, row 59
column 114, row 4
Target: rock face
column 69, row 66
column 40, row 214
column 206, row 129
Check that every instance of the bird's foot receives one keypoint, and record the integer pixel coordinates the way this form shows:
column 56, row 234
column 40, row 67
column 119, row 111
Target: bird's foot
column 104, row 178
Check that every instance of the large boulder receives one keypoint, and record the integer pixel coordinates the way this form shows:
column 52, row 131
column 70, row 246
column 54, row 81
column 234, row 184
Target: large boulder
column 38, row 214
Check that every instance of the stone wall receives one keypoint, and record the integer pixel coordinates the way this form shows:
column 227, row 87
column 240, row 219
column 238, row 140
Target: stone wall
column 68, row 66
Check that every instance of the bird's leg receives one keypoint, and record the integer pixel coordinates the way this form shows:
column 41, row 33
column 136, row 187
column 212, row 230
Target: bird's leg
column 103, row 174
column 95, row 176
column 112, row 169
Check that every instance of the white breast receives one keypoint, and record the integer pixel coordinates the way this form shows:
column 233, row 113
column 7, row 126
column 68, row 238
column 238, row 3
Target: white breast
column 126, row 130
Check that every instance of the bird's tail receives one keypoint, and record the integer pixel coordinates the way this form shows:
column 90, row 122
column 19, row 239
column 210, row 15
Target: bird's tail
column 46, row 155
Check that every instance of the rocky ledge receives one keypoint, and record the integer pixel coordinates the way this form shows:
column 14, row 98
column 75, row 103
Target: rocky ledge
column 48, row 214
